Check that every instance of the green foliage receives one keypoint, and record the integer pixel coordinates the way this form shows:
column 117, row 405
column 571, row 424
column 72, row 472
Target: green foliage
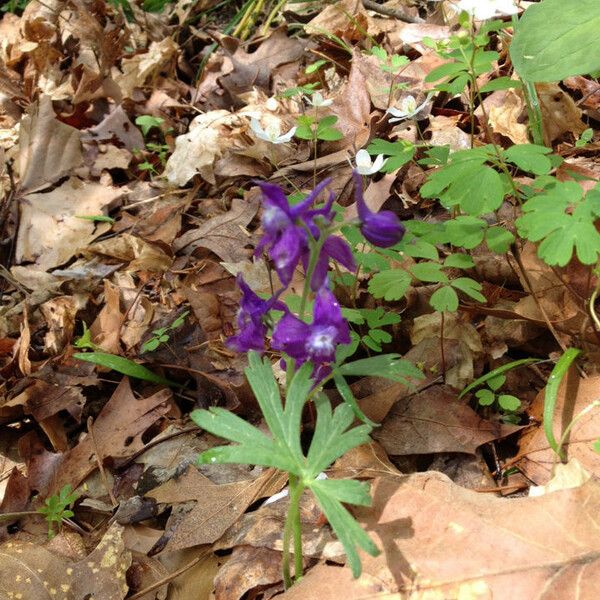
column 562, row 218
column 389, row 63
column 161, row 335
column 556, row 39
column 375, row 319
column 487, row 397
column 122, row 365
column 309, row 129
column 57, row 507
column 147, row 122
column 467, row 182
column 585, row 137
column 496, row 372
column 390, row 285
column 314, row 67
column 282, row 449
column 301, row 90
column 398, row 153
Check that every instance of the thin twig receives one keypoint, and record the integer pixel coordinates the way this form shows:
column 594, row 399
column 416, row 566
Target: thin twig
column 391, row 12
column 168, row 578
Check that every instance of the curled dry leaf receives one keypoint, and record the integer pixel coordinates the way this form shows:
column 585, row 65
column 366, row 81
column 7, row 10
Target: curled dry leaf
column 136, row 71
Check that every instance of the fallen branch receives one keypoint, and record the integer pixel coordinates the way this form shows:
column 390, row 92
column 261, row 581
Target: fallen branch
column 397, row 13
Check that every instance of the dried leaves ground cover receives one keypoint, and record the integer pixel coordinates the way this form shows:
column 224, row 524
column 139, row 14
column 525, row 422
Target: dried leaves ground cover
column 132, row 138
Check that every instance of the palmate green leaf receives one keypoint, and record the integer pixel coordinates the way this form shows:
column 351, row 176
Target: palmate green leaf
column 330, row 493
column 332, row 438
column 499, row 239
column 398, row 153
column 283, row 450
column 556, row 39
column 564, row 222
column 459, row 261
column 430, row 272
column 475, row 187
column 390, row 366
column 509, row 402
column 390, row 285
column 485, row 397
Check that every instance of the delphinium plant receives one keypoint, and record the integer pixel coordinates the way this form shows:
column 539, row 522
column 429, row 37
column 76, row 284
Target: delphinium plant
column 312, row 348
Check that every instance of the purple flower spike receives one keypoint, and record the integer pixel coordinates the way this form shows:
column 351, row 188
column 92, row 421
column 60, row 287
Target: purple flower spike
column 252, row 329
column 382, row 229
column 318, row 341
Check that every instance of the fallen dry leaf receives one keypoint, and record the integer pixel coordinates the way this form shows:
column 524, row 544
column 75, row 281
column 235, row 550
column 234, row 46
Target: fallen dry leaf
column 222, row 234
column 217, row 506
column 118, row 431
column 48, row 149
column 436, row 421
column 30, row 571
column 441, row 541
column 536, row 458
column 52, row 231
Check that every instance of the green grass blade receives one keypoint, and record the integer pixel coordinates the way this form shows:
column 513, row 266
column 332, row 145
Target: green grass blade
column 557, row 375
column 123, row 365
column 507, row 367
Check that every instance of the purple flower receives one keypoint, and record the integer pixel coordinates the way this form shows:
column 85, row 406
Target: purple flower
column 250, row 320
column 382, row 229
column 286, row 227
column 318, row 341
column 336, row 248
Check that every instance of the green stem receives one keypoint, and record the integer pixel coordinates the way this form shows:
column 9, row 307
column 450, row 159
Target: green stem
column 535, row 113
column 271, row 17
column 315, row 250
column 293, row 529
column 565, row 435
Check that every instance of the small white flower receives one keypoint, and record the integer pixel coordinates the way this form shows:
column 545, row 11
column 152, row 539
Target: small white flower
column 366, row 166
column 272, row 133
column 408, row 108
column 487, row 9
column 318, row 101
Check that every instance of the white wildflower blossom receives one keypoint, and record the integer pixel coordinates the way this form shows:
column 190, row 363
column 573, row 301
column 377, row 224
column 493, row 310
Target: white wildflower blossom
column 317, row 100
column 366, row 166
column 408, row 108
column 272, row 133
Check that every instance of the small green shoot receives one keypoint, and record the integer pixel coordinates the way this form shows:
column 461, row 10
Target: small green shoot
column 161, row 335
column 58, row 507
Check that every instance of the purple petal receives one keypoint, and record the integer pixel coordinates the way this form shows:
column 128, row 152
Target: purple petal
column 302, row 207
column 382, row 229
column 250, row 337
column 286, row 252
column 290, row 336
column 340, row 251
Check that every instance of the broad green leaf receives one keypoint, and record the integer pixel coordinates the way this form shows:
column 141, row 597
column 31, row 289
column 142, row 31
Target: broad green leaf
column 378, row 317
column 459, row 261
column 466, row 232
column 430, row 272
column 444, row 300
column 508, row 402
column 123, row 365
column 469, row 287
column 498, row 371
column 390, row 285
column 398, row 153
column 495, row 383
column 530, row 158
column 485, row 397
column 556, row 39
column 147, row 122
column 499, row 239
column 330, row 494
column 390, row 366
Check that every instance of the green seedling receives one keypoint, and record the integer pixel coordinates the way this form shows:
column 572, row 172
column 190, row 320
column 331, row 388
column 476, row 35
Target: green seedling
column 58, row 507
column 161, row 335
